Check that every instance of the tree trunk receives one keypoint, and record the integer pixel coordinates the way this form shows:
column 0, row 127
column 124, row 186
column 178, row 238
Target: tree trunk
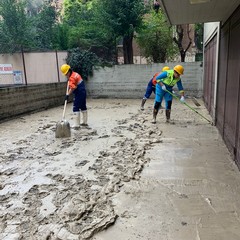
column 159, row 56
column 183, row 55
column 128, row 49
column 179, row 40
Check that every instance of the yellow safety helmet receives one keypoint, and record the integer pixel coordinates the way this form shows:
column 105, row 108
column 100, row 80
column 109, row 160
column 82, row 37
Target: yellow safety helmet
column 179, row 69
column 65, row 68
column 165, row 68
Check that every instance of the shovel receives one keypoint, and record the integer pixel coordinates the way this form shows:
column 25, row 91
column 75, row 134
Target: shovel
column 190, row 107
column 63, row 127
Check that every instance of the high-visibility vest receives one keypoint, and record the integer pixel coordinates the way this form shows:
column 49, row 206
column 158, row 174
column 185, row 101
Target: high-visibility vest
column 170, row 80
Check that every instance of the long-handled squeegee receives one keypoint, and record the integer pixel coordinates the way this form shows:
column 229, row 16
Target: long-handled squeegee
column 189, row 107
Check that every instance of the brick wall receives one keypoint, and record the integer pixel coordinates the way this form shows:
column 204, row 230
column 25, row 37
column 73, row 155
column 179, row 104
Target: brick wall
column 25, row 99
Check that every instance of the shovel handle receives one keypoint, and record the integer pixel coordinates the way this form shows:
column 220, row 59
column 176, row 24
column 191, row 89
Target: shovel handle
column 65, row 103
column 64, row 109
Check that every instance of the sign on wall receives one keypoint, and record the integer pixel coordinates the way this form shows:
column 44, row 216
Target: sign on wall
column 6, row 69
column 17, row 77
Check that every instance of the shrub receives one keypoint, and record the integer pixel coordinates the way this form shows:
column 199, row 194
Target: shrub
column 82, row 61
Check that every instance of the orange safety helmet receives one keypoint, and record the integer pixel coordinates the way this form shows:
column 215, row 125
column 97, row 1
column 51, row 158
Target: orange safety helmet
column 65, row 68
column 165, row 68
column 179, row 69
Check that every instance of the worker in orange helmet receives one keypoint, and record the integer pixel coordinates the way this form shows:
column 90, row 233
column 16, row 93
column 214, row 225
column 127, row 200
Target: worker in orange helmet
column 76, row 87
column 166, row 81
column 151, row 87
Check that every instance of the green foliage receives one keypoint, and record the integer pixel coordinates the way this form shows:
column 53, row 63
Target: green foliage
column 86, row 31
column 155, row 38
column 60, row 39
column 45, row 23
column 76, row 11
column 199, row 36
column 15, row 27
column 199, row 41
column 82, row 62
column 121, row 18
column 24, row 26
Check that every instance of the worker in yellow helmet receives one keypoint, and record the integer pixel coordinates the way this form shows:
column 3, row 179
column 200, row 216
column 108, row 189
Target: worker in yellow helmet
column 166, row 81
column 76, row 87
column 151, row 87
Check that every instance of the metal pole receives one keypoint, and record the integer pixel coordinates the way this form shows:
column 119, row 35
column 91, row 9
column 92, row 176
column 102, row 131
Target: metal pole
column 24, row 67
column 57, row 66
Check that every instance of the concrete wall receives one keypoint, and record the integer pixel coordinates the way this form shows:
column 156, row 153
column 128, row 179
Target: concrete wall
column 130, row 81
column 25, row 99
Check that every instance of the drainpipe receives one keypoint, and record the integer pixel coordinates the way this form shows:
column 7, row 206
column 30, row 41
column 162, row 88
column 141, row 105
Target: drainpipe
column 216, row 73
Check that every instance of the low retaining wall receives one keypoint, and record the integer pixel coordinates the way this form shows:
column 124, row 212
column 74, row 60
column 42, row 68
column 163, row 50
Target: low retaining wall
column 17, row 100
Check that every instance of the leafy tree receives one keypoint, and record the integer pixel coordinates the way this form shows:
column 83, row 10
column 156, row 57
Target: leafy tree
column 45, row 23
column 75, row 11
column 155, row 38
column 15, row 26
column 199, row 41
column 199, row 36
column 27, row 26
column 121, row 18
column 85, row 31
column 60, row 39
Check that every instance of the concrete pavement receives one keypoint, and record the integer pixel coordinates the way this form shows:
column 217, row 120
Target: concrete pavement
column 188, row 191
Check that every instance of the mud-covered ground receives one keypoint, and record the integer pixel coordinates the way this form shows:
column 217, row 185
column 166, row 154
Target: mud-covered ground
column 66, row 188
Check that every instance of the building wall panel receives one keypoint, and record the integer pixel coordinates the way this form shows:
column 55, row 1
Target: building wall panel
column 228, row 95
column 209, row 74
column 222, row 78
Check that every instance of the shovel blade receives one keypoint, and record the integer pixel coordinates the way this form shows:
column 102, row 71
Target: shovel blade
column 63, row 129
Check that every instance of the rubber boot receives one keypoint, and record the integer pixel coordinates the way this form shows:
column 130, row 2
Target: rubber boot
column 142, row 104
column 155, row 112
column 85, row 118
column 168, row 113
column 77, row 120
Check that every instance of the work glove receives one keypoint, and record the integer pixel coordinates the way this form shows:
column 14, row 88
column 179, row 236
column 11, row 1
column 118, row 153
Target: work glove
column 66, row 97
column 163, row 87
column 182, row 99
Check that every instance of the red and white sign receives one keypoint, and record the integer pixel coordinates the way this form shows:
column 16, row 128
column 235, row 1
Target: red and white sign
column 6, row 69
